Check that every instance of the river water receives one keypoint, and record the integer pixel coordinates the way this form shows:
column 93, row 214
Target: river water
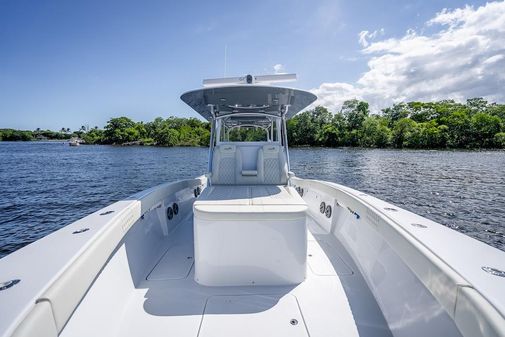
column 45, row 186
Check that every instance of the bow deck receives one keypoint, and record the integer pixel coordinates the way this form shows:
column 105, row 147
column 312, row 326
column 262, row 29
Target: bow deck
column 333, row 300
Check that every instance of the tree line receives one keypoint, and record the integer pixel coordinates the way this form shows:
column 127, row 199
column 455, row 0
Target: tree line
column 172, row 131
column 419, row 125
column 38, row 134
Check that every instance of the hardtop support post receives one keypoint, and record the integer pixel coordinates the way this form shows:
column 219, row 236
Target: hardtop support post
column 285, row 136
column 212, row 135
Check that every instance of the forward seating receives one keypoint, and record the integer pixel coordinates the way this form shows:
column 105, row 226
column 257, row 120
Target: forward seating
column 250, row 235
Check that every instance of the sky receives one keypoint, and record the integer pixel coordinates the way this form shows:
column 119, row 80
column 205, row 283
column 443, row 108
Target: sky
column 72, row 63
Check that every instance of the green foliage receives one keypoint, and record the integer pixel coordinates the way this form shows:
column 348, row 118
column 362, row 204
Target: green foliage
column 120, row 130
column 308, row 127
column 168, row 137
column 395, row 113
column 459, row 128
column 477, row 104
column 497, row 110
column 355, row 112
column 442, row 124
column 485, row 127
column 248, row 135
column 374, row 132
column 433, row 135
column 16, row 135
column 405, row 133
column 334, row 133
column 38, row 134
column 173, row 131
column 499, row 140
column 93, row 136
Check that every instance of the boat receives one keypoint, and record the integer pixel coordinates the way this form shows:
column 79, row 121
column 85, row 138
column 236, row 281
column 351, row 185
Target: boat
column 250, row 249
column 74, row 141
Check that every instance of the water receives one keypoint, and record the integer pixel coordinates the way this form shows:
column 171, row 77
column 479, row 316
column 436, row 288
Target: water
column 45, row 186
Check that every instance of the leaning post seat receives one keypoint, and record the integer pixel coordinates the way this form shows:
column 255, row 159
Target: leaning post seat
column 249, row 226
column 272, row 165
column 224, row 163
column 250, row 235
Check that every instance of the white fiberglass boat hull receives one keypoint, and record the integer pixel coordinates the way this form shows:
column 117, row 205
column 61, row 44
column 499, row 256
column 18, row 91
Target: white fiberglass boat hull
column 373, row 270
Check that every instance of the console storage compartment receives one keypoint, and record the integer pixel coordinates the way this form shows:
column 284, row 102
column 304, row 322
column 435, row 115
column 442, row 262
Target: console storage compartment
column 250, row 235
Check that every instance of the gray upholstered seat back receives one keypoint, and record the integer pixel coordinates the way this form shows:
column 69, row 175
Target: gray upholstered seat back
column 228, row 166
column 224, row 165
column 272, row 165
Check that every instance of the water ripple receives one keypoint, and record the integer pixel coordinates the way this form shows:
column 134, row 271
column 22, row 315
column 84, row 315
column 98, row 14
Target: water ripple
column 45, row 186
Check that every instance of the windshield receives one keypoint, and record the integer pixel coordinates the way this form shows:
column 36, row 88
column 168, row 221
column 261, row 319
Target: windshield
column 247, row 134
column 253, row 128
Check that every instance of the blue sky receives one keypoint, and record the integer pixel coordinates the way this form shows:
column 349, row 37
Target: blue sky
column 70, row 63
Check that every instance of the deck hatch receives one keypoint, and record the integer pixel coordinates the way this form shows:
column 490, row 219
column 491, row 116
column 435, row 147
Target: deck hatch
column 174, row 265
column 252, row 315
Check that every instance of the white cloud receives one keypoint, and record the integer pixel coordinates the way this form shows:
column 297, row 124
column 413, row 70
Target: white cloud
column 464, row 58
column 279, row 69
column 365, row 36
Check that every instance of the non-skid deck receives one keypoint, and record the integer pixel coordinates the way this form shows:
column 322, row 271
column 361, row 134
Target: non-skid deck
column 333, row 300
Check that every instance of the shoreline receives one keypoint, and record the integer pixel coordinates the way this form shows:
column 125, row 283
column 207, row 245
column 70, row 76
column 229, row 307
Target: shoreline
column 291, row 146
